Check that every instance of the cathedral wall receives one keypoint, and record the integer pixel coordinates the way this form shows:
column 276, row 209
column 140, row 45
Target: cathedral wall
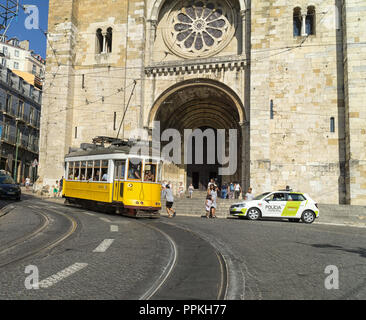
column 300, row 75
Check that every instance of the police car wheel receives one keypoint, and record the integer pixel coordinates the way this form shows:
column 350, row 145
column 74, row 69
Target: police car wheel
column 253, row 214
column 308, row 216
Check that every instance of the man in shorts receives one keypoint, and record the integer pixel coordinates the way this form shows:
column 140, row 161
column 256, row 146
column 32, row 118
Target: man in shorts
column 169, row 201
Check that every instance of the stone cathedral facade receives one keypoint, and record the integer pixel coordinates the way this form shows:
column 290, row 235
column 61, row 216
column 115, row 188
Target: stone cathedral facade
column 289, row 76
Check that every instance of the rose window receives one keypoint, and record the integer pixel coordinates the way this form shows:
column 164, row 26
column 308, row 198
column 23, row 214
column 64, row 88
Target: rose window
column 199, row 28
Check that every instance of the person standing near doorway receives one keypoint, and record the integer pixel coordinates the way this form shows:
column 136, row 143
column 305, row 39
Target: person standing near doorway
column 249, row 195
column 237, row 190
column 169, row 201
column 190, row 190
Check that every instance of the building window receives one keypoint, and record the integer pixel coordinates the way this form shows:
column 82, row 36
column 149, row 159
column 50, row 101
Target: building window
column 16, row 53
column 99, row 41
column 108, row 40
column 310, row 21
column 8, row 103
column 20, row 109
column 332, row 124
column 34, row 69
column 16, row 65
column 5, row 50
column 3, row 62
column 103, row 41
column 297, row 22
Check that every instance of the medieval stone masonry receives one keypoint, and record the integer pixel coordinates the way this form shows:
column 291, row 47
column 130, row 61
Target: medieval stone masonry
column 290, row 76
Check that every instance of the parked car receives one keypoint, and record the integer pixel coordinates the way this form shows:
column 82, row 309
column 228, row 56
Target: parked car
column 8, row 188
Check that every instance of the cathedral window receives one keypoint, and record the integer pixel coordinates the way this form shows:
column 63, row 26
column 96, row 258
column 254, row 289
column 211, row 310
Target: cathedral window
column 103, row 41
column 297, row 22
column 99, row 41
column 310, row 21
column 108, row 38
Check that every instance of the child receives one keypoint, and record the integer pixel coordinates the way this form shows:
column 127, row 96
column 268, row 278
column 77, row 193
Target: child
column 208, row 206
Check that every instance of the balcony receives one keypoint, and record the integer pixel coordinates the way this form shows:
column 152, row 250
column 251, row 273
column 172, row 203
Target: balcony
column 7, row 113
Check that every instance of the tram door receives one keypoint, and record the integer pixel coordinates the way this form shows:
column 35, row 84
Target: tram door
column 118, row 177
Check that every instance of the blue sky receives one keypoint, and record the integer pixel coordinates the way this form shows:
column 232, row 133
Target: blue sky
column 38, row 42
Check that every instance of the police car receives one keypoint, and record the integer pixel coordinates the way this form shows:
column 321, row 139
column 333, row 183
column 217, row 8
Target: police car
column 294, row 206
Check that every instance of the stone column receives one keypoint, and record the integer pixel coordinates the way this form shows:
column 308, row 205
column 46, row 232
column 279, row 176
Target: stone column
column 303, row 25
column 153, row 25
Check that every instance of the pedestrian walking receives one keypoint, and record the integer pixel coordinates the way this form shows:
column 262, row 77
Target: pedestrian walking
column 27, row 183
column 55, row 189
column 237, row 190
column 60, row 186
column 224, row 190
column 231, row 190
column 180, row 190
column 190, row 190
column 213, row 193
column 169, row 201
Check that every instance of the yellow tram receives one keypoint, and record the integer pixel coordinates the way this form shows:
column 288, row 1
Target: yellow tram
column 113, row 179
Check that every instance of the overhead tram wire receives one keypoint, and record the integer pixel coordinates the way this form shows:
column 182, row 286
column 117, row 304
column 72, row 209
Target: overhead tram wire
column 126, row 108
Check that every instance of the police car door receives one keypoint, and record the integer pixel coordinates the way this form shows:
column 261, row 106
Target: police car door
column 274, row 204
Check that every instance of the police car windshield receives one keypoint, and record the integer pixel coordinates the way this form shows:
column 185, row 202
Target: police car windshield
column 261, row 196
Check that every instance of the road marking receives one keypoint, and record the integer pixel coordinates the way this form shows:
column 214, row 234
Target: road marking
column 114, row 228
column 89, row 214
column 104, row 245
column 50, row 281
column 105, row 220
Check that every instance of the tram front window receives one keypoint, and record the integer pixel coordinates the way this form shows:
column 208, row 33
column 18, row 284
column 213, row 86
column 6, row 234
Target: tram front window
column 134, row 169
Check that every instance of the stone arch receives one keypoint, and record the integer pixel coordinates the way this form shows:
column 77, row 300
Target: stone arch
column 154, row 13
column 213, row 84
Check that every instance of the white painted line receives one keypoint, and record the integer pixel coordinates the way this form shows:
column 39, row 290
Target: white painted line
column 105, row 220
column 104, row 245
column 114, row 228
column 50, row 281
column 89, row 214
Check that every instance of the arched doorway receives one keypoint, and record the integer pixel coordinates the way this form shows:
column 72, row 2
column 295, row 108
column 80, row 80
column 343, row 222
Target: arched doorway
column 206, row 105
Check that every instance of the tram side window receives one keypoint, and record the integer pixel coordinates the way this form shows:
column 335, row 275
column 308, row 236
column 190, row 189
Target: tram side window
column 150, row 172
column 134, row 169
column 104, row 170
column 83, row 170
column 70, row 171
column 77, row 170
column 89, row 171
column 96, row 174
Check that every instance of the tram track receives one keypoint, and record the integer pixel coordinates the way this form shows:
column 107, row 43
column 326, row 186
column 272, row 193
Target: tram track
column 44, row 223
column 178, row 278
column 43, row 248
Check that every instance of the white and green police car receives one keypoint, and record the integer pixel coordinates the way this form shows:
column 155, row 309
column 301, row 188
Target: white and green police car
column 279, row 204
